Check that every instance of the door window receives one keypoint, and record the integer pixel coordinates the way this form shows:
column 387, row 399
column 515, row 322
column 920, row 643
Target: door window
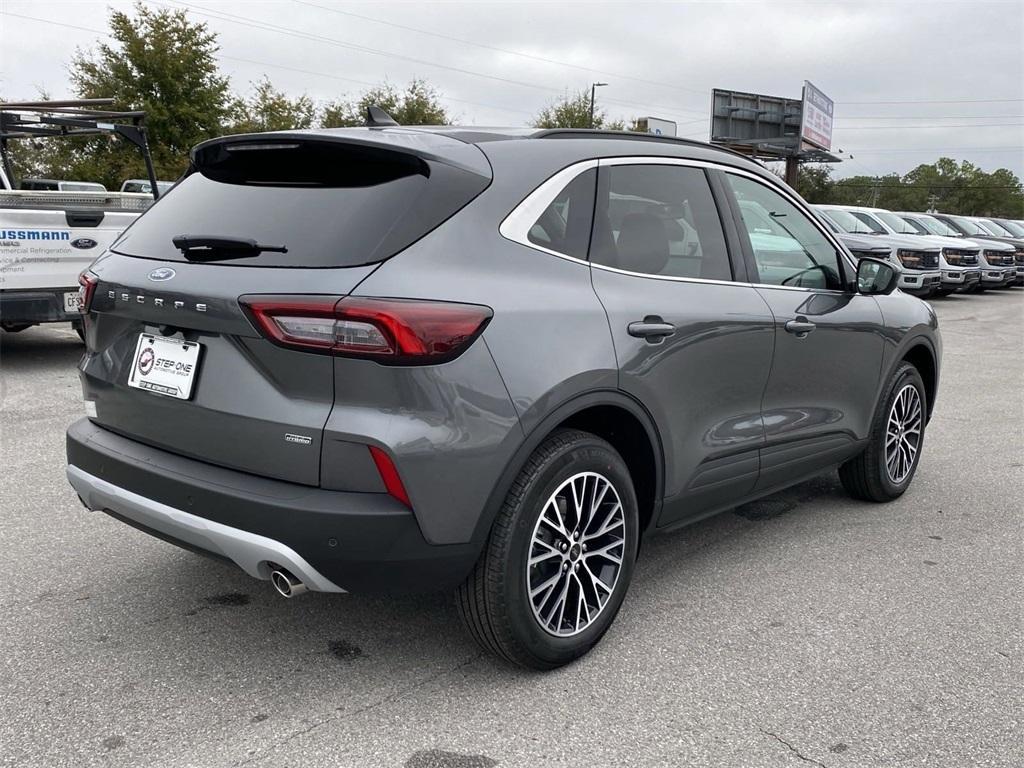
column 788, row 247
column 659, row 220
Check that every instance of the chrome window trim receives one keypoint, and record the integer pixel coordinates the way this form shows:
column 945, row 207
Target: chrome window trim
column 516, row 225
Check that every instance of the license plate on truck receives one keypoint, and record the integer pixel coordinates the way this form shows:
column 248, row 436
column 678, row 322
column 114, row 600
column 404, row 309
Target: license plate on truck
column 71, row 302
column 164, row 366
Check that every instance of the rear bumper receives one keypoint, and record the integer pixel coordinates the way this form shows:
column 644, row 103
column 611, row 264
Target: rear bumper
column 333, row 541
column 43, row 305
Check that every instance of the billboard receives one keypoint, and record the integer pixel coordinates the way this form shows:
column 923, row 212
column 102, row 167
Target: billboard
column 762, row 123
column 816, row 119
column 657, row 126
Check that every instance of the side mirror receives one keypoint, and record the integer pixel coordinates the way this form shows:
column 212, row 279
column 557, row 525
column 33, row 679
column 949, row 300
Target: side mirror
column 876, row 276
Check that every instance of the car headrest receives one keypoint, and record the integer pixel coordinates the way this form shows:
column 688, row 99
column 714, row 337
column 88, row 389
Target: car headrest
column 643, row 243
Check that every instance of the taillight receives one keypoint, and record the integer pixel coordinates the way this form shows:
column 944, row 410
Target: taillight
column 389, row 474
column 86, row 288
column 390, row 331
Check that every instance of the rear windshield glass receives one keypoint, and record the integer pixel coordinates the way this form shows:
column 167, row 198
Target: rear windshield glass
column 328, row 204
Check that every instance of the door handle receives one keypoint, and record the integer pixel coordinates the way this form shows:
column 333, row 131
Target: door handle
column 652, row 328
column 800, row 327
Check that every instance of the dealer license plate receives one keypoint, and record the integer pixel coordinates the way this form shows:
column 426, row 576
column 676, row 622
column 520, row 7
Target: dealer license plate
column 165, row 366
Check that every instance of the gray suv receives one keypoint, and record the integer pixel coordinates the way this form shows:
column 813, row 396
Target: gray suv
column 484, row 361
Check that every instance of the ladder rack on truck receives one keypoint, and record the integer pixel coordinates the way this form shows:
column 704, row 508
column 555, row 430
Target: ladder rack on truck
column 47, row 238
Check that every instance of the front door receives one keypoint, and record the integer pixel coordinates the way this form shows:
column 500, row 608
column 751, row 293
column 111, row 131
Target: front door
column 694, row 346
column 829, row 339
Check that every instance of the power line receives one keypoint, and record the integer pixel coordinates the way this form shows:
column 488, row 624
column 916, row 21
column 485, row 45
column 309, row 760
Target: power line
column 937, row 101
column 944, row 149
column 102, row 33
column 509, row 51
column 922, row 127
column 843, row 183
column 926, row 117
column 277, row 29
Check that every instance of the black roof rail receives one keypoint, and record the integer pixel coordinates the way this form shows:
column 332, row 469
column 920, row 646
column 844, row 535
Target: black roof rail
column 597, row 133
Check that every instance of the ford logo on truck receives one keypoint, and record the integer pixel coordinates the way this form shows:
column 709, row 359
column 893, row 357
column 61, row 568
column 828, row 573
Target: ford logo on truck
column 159, row 275
column 84, row 243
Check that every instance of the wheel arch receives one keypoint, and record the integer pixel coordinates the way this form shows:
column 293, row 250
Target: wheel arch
column 921, row 355
column 613, row 416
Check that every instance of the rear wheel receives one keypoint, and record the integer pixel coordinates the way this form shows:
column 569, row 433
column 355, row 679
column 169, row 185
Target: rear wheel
column 885, row 469
column 559, row 558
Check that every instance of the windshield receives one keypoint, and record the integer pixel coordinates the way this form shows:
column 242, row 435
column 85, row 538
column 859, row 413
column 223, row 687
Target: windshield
column 847, row 221
column 871, row 222
column 936, row 227
column 895, row 223
column 919, row 228
column 991, row 228
column 1012, row 227
column 968, row 226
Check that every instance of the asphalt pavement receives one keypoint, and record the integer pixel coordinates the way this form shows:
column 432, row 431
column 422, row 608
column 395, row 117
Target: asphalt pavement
column 806, row 629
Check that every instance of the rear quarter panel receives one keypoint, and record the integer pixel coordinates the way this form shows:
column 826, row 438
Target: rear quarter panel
column 547, row 343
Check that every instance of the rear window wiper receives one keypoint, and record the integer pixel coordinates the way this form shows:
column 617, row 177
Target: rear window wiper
column 220, row 248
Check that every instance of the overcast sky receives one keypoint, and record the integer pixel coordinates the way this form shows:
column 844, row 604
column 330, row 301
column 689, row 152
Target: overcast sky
column 911, row 80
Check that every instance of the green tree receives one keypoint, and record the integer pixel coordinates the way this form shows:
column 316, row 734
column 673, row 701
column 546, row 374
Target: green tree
column 164, row 64
column 268, row 109
column 573, row 111
column 814, row 183
column 418, row 104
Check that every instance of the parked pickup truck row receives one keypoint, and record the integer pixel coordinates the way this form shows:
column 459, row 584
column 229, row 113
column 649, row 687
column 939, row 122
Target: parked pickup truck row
column 938, row 253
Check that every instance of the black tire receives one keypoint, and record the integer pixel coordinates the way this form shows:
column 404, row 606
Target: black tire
column 494, row 601
column 866, row 476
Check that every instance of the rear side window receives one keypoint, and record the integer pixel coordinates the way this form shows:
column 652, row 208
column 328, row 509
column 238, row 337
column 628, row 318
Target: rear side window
column 659, row 220
column 330, row 204
column 564, row 226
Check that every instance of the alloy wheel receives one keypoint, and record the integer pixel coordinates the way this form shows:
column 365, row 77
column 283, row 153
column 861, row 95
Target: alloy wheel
column 576, row 554
column 903, row 433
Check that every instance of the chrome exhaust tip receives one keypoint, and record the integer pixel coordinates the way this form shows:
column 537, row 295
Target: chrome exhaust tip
column 286, row 584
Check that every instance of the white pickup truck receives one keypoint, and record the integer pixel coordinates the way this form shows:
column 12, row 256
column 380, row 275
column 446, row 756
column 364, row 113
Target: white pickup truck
column 47, row 238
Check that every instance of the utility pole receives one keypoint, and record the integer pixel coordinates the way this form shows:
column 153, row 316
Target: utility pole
column 593, row 89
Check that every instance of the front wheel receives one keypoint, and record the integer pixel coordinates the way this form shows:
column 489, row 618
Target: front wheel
column 560, row 555
column 886, row 467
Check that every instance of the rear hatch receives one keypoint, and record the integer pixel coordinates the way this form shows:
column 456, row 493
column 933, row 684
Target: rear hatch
column 282, row 215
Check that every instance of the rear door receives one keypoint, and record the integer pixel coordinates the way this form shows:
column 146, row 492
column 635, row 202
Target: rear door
column 694, row 343
column 324, row 214
column 828, row 340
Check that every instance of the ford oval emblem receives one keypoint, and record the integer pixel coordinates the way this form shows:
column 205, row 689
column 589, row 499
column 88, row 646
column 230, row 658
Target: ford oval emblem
column 84, row 243
column 159, row 275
